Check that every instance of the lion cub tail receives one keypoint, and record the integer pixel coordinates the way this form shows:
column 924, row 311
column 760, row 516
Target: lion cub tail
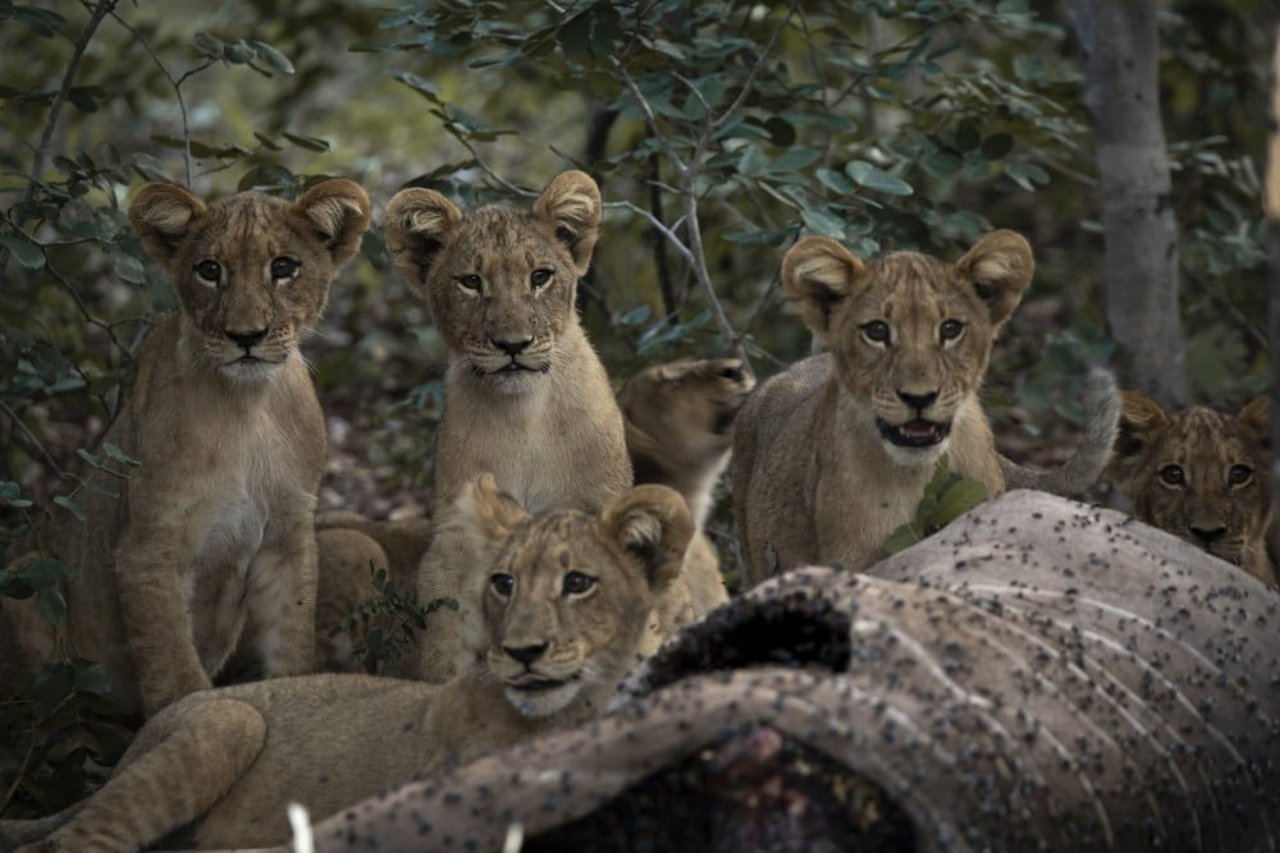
column 1082, row 470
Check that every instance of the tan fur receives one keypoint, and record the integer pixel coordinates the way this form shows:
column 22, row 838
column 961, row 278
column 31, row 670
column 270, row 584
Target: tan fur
column 526, row 396
column 815, row 476
column 210, row 547
column 679, row 418
column 1228, row 519
column 350, row 548
column 225, row 763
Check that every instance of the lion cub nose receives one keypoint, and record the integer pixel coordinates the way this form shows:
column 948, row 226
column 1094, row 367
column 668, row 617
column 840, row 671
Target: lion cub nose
column 511, row 348
column 919, row 402
column 1208, row 535
column 525, row 654
column 246, row 339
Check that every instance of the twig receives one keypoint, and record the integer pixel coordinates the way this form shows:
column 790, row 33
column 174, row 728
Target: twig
column 109, row 328
column 494, row 176
column 176, row 84
column 100, row 11
column 31, row 437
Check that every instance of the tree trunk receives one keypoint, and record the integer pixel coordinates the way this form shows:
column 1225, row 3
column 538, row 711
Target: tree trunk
column 1120, row 47
column 1039, row 675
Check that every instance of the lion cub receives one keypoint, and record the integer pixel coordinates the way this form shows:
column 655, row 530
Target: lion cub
column 1201, row 475
column 564, row 606
column 211, row 546
column 679, row 420
column 526, row 396
column 833, row 454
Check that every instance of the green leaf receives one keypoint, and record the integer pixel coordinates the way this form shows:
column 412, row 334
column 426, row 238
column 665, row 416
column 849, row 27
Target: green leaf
column 209, row 45
column 794, row 160
column 70, row 506
column 753, row 161
column 238, row 52
column 272, row 57
column 11, row 494
column 873, row 178
column 28, row 254
column 902, row 538
column 835, row 181
column 115, row 454
column 822, row 222
column 90, row 677
column 42, row 573
column 634, row 317
column 1025, row 175
column 311, row 143
column 52, row 606
column 43, row 22
column 957, row 499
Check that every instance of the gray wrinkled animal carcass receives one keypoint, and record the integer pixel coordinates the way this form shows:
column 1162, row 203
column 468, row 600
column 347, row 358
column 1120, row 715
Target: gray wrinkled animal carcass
column 1039, row 675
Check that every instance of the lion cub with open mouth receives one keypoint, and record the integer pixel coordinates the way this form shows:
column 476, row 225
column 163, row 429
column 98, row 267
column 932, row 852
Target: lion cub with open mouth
column 566, row 601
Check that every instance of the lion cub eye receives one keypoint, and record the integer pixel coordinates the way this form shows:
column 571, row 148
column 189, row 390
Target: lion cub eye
column 1239, row 475
column 877, row 331
column 502, row 584
column 284, row 268
column 950, row 330
column 539, row 278
column 1172, row 475
column 576, row 583
column 210, row 271
column 470, row 283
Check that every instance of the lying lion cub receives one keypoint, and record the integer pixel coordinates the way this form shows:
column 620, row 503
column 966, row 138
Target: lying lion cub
column 1201, row 475
column 526, row 396
column 833, row 455
column 211, row 545
column 564, row 607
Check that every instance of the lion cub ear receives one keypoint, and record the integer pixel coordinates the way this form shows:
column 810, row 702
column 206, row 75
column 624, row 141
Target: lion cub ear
column 819, row 273
column 999, row 266
column 486, row 515
column 1255, row 421
column 339, row 211
column 571, row 205
column 652, row 525
column 1141, row 420
column 163, row 215
column 418, row 224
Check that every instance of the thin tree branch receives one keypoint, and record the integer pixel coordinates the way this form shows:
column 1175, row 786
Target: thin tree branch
column 175, row 84
column 31, row 438
column 99, row 12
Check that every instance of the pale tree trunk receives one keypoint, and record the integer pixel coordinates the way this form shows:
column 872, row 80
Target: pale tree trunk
column 1272, row 202
column 1120, row 48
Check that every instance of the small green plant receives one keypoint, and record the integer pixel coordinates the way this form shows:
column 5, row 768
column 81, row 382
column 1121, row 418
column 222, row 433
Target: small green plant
column 947, row 497
column 390, row 621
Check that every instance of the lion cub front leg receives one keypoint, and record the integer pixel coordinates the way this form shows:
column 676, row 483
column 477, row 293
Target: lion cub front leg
column 189, row 761
column 281, row 628
column 154, row 577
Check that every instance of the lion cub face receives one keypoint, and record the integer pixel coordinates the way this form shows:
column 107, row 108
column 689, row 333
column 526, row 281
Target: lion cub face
column 911, row 335
column 569, row 594
column 1199, row 474
column 682, row 413
column 501, row 282
column 252, row 271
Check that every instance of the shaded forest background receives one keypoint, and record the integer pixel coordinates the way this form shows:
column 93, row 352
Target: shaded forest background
column 719, row 132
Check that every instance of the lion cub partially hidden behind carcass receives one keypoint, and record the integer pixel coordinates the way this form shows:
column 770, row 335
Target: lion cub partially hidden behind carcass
column 211, row 546
column 1202, row 475
column 565, row 605
column 834, row 454
column 526, row 396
